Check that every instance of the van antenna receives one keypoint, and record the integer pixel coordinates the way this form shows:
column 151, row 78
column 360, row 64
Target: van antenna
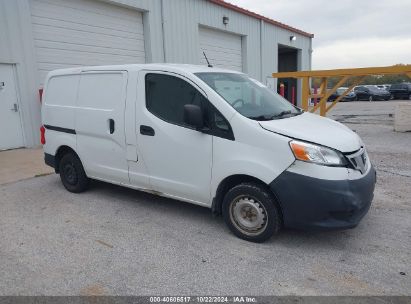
column 208, row 62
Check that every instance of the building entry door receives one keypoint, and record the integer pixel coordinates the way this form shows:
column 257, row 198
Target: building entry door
column 11, row 133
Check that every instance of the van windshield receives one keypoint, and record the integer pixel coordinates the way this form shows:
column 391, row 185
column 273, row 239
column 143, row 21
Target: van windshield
column 249, row 97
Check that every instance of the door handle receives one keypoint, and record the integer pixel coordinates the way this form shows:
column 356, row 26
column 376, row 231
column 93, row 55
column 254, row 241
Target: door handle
column 146, row 130
column 15, row 108
column 111, row 126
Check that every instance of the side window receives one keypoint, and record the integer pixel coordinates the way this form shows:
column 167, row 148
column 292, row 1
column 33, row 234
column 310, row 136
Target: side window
column 220, row 122
column 166, row 96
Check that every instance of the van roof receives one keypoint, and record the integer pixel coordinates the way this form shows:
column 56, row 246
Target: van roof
column 172, row 67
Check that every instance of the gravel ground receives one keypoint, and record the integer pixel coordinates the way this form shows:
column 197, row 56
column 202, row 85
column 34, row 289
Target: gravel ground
column 117, row 241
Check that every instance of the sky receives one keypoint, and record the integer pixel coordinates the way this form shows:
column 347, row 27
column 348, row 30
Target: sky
column 347, row 33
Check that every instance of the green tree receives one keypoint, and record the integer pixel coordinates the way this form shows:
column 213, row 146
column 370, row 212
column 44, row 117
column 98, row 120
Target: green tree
column 368, row 80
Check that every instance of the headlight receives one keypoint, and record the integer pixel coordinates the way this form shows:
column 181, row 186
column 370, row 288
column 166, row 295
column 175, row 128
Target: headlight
column 317, row 154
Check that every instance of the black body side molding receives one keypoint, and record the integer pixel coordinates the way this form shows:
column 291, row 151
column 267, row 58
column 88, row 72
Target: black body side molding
column 60, row 129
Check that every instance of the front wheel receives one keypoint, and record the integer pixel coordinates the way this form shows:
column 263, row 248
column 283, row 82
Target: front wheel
column 72, row 173
column 251, row 212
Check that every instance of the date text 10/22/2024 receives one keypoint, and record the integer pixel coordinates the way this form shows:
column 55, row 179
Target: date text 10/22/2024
column 202, row 299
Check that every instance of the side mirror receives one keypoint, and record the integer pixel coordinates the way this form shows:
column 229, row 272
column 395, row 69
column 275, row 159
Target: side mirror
column 193, row 116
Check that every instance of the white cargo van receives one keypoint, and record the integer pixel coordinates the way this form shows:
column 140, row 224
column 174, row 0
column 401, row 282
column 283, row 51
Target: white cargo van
column 212, row 137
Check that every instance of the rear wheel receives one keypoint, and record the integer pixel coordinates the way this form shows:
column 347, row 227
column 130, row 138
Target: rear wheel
column 250, row 211
column 72, row 173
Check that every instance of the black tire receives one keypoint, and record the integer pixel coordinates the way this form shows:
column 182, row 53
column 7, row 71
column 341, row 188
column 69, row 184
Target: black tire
column 72, row 173
column 262, row 200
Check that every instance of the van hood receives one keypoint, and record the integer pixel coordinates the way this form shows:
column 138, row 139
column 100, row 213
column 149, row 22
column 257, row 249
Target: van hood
column 316, row 129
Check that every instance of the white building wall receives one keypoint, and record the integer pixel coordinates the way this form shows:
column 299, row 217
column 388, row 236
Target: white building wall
column 272, row 37
column 85, row 32
column 152, row 19
column 182, row 33
column 176, row 40
column 16, row 47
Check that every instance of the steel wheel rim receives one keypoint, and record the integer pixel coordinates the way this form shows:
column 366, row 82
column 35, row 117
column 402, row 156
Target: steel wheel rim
column 248, row 215
column 70, row 173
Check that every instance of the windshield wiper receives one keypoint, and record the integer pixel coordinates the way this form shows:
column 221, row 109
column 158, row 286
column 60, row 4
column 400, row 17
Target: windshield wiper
column 271, row 117
column 284, row 113
column 260, row 117
column 281, row 114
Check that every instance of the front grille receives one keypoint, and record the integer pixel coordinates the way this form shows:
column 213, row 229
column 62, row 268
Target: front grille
column 358, row 160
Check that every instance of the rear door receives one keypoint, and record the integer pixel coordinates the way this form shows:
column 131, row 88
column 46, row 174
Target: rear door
column 100, row 125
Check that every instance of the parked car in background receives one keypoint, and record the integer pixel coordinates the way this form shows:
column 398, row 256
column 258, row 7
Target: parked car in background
column 401, row 90
column 371, row 92
column 351, row 96
column 384, row 87
column 373, row 86
column 387, row 88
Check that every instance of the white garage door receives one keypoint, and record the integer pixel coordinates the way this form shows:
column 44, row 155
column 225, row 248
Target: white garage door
column 85, row 32
column 222, row 49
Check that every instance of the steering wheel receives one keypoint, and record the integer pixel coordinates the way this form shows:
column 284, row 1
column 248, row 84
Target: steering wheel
column 237, row 101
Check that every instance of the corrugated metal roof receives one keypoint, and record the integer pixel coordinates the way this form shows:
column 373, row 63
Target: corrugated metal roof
column 258, row 16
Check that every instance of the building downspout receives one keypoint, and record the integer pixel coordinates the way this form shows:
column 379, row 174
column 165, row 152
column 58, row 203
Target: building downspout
column 163, row 31
column 310, row 55
column 261, row 49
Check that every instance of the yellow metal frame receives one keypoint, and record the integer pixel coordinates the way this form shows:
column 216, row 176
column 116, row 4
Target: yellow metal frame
column 357, row 75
